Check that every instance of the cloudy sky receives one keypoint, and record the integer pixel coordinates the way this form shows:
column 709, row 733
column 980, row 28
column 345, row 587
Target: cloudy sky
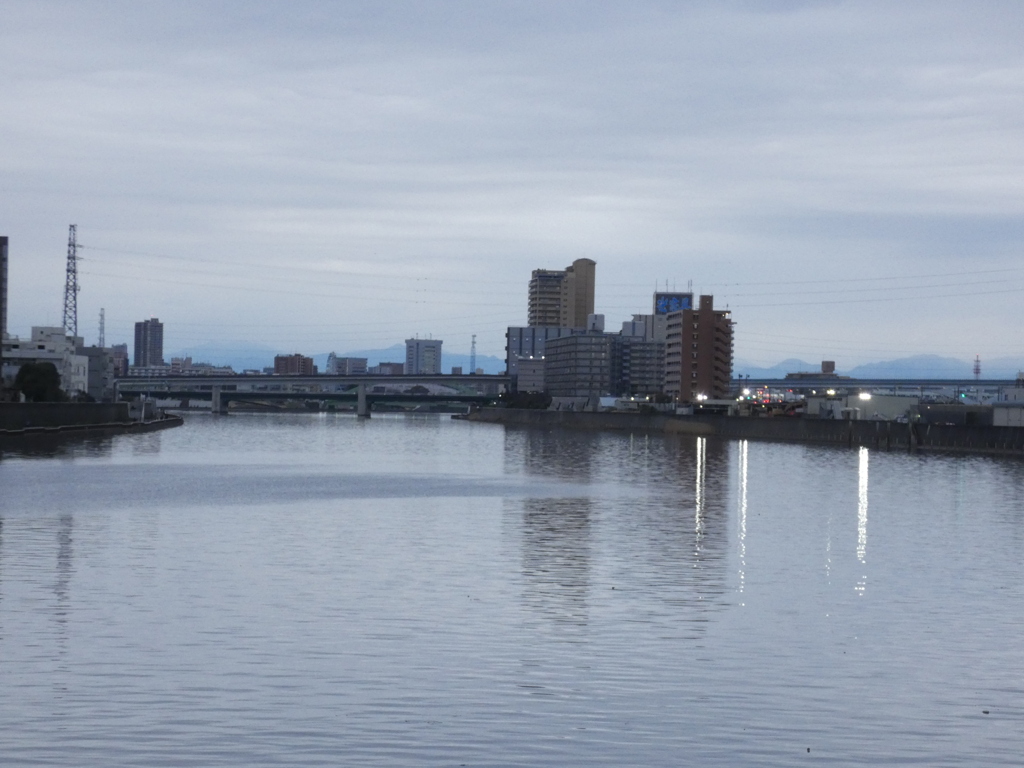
column 848, row 177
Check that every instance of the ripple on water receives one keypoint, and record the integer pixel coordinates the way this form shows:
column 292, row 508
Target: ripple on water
column 308, row 589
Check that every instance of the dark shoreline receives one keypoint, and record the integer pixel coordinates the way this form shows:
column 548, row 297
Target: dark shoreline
column 12, row 436
column 881, row 435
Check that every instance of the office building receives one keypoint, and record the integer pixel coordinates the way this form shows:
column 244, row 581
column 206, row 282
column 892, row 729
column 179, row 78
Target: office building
column 185, row 366
column 698, row 353
column 388, row 369
column 579, row 366
column 120, row 355
column 562, row 297
column 149, row 343
column 345, row 366
column 528, row 342
column 294, row 365
column 99, row 372
column 423, row 356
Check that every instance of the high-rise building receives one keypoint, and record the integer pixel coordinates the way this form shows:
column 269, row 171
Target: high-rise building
column 149, row 343
column 423, row 356
column 3, row 303
column 698, row 352
column 666, row 302
column 294, row 365
column 3, row 287
column 562, row 297
column 545, row 298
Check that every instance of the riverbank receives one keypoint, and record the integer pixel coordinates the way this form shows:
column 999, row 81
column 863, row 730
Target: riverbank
column 20, row 421
column 883, row 435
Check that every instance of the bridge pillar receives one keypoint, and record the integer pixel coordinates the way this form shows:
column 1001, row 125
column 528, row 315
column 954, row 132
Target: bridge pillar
column 362, row 408
column 216, row 404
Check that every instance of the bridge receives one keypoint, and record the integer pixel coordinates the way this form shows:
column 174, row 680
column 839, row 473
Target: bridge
column 364, row 390
column 824, row 383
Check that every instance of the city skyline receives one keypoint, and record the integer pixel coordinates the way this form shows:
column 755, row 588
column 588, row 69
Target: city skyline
column 844, row 179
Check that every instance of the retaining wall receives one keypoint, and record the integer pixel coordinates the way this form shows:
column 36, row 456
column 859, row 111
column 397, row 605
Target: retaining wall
column 886, row 435
column 24, row 415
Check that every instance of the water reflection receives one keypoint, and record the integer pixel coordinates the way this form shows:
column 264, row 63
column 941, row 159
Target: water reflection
column 711, row 481
column 556, row 551
column 146, row 444
column 741, row 503
column 700, row 475
column 566, row 455
column 1, row 577
column 680, row 540
column 65, row 526
column 68, row 445
column 862, row 514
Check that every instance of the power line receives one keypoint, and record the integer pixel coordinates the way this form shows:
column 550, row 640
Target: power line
column 477, row 281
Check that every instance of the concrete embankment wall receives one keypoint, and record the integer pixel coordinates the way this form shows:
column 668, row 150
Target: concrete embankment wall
column 14, row 416
column 885, row 435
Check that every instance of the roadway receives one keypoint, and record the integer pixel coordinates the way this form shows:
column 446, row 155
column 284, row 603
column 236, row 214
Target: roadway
column 366, row 389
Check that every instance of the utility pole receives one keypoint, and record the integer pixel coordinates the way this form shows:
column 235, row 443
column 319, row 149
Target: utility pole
column 71, row 284
column 472, row 356
column 103, row 330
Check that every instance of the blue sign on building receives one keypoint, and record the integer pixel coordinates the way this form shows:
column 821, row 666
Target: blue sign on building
column 672, row 302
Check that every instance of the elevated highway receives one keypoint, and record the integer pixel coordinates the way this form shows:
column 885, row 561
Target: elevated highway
column 364, row 389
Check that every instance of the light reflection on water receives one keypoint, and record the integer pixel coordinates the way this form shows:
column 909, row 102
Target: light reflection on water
column 741, row 501
column 307, row 589
column 862, row 512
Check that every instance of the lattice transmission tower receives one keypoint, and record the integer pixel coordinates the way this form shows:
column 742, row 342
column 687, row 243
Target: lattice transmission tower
column 71, row 284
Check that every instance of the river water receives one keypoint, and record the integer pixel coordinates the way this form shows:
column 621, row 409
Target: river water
column 318, row 590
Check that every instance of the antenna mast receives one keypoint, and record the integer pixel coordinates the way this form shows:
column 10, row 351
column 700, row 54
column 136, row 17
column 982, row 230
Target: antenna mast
column 71, row 284
column 472, row 355
column 103, row 331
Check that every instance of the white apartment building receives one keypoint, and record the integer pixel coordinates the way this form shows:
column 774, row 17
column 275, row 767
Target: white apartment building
column 48, row 345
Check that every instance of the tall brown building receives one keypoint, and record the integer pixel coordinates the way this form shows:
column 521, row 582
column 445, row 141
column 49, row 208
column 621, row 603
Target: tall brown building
column 562, row 297
column 294, row 365
column 698, row 353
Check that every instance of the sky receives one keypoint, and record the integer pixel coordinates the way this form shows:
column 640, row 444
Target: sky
column 846, row 177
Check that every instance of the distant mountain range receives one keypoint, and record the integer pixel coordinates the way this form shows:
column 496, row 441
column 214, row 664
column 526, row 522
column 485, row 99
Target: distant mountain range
column 916, row 367
column 246, row 356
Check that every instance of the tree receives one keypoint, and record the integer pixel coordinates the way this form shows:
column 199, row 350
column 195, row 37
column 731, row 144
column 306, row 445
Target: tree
column 40, row 383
